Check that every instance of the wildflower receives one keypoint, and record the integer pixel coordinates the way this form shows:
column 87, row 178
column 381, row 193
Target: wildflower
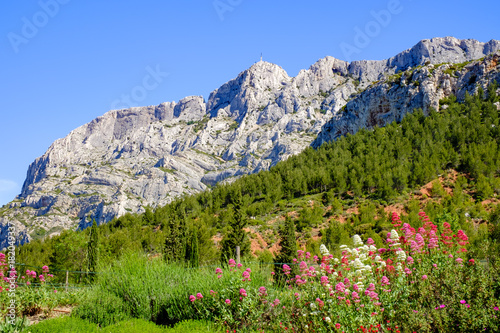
column 409, row 260
column 246, row 276
column 55, row 291
column 328, row 320
column 232, row 263
column 218, row 270
column 463, row 302
column 471, row 261
column 459, row 260
column 276, row 302
column 286, row 269
column 192, row 298
column 228, row 302
column 239, row 265
column 199, row 296
column 323, row 250
column 243, row 292
column 370, row 241
column 424, row 277
column 357, row 241
column 495, row 308
column 337, row 326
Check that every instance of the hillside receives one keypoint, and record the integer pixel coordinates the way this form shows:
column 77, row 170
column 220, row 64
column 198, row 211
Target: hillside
column 129, row 159
column 446, row 164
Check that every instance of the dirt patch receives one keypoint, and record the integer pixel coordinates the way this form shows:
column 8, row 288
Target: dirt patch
column 56, row 312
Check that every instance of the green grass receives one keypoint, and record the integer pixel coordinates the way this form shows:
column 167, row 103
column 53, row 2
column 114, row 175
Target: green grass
column 77, row 325
column 153, row 290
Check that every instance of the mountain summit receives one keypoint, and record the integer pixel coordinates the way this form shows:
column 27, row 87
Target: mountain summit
column 127, row 159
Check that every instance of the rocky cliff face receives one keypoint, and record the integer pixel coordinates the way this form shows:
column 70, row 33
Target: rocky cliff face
column 128, row 159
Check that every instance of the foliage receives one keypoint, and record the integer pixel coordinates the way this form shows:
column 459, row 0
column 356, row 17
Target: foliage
column 420, row 281
column 92, row 251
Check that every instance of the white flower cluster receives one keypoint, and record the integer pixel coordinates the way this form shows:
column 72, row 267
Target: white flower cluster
column 394, row 238
column 323, row 250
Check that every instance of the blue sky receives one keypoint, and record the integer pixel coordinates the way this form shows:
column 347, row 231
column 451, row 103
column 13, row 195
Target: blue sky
column 66, row 62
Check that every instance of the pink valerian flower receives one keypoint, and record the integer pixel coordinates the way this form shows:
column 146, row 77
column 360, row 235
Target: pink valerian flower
column 243, row 292
column 192, row 298
column 276, row 302
column 218, row 271
column 370, row 241
column 337, row 326
column 199, row 296
column 246, row 276
column 262, row 291
column 239, row 265
column 212, row 292
column 303, row 266
column 42, row 278
column 232, row 263
column 355, row 287
column 424, row 277
column 340, row 287
column 409, row 260
column 228, row 302
column 320, row 303
column 324, row 280
column 354, row 295
column 463, row 301
column 472, row 261
column 286, row 269
column 496, row 308
column 407, row 271
column 45, row 269
column 459, row 260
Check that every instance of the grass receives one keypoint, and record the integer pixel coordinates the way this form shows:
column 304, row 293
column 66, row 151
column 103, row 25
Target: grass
column 152, row 290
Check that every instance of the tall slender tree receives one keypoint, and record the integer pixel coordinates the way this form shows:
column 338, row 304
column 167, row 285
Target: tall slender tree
column 288, row 244
column 92, row 251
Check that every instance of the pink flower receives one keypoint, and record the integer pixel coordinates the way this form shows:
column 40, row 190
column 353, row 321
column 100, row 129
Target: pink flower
column 227, row 301
column 424, row 277
column 467, row 305
column 192, row 298
column 199, row 296
column 370, row 241
column 55, row 291
column 463, row 302
column 495, row 308
column 28, row 283
column 276, row 302
column 459, row 260
column 385, row 281
column 286, row 269
column 239, row 265
column 337, row 326
column 45, row 268
column 218, row 270
column 232, row 263
column 243, row 292
column 246, row 276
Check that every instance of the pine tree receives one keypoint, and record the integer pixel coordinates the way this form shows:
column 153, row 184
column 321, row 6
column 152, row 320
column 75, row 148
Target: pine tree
column 92, row 251
column 236, row 235
column 288, row 244
column 192, row 250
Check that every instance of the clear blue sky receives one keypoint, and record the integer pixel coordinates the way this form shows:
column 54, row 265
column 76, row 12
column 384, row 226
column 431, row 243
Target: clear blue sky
column 65, row 62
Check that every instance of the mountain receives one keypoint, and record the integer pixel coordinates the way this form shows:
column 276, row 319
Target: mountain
column 128, row 159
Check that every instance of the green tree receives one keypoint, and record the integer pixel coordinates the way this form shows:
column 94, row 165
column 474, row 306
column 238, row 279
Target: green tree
column 236, row 236
column 288, row 244
column 92, row 251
